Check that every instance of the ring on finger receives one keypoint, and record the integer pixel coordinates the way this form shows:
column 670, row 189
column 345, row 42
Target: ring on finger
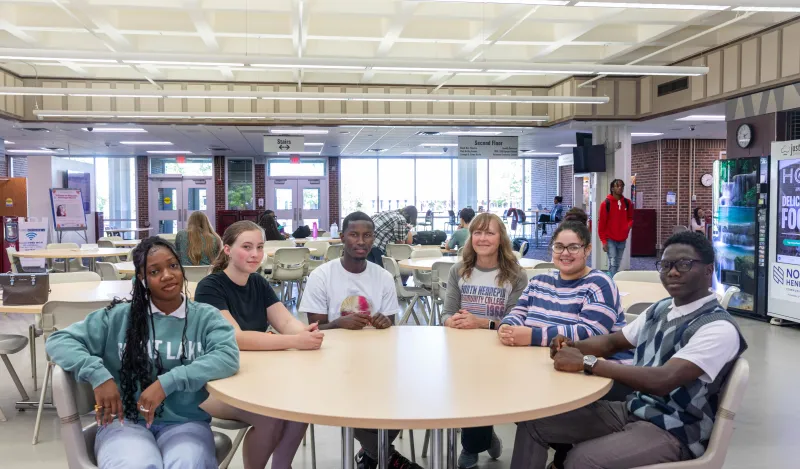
column 141, row 407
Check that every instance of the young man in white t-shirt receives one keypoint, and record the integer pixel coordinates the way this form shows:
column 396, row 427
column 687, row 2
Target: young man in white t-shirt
column 685, row 346
column 352, row 293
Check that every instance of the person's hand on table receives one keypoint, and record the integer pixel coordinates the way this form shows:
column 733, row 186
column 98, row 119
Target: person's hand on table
column 380, row 321
column 107, row 403
column 515, row 336
column 568, row 359
column 558, row 343
column 353, row 322
column 463, row 319
column 310, row 338
column 149, row 400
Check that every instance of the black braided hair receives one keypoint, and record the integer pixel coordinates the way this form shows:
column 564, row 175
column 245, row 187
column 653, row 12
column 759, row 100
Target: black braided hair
column 137, row 367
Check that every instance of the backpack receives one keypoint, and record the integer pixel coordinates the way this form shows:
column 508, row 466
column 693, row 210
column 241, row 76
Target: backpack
column 430, row 238
column 608, row 205
column 302, row 232
column 517, row 243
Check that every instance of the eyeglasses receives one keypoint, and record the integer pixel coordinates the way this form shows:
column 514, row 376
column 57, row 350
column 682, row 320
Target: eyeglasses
column 681, row 265
column 559, row 248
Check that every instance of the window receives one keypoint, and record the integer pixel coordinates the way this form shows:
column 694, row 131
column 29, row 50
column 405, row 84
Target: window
column 483, row 185
column 283, row 167
column 240, row 182
column 542, row 180
column 505, row 185
column 434, row 190
column 395, row 183
column 190, row 166
column 358, row 185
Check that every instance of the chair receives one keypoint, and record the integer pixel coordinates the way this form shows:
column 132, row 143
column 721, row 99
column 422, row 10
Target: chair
column 453, row 222
column 428, row 223
column 109, row 238
column 107, row 271
column 629, row 318
column 241, row 430
column 546, row 265
column 400, row 252
column 289, row 267
column 105, row 243
column 650, row 276
column 13, row 261
column 11, row 344
column 517, row 254
column 409, row 295
column 286, row 243
column 730, row 399
column 58, row 315
column 637, row 308
column 317, row 249
column 523, row 247
column 440, row 273
column 423, row 278
column 74, row 399
column 726, row 298
column 334, row 251
column 195, row 273
column 75, row 265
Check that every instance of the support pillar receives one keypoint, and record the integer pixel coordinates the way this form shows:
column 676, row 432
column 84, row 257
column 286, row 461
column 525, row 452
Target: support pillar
column 467, row 184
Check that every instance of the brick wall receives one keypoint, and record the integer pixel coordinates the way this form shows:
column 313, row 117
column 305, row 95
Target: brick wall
column 261, row 184
column 566, row 182
column 219, row 184
column 333, row 190
column 685, row 183
column 142, row 195
column 542, row 182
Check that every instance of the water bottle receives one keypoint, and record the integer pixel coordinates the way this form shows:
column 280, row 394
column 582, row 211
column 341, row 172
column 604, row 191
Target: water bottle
column 315, row 230
column 334, row 231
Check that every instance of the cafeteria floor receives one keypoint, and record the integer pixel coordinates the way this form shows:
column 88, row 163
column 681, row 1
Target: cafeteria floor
column 766, row 433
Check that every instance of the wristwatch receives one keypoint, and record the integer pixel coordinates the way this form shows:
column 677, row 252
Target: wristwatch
column 589, row 361
column 492, row 325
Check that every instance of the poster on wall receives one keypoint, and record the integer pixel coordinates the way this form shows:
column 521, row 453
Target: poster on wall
column 67, row 206
column 32, row 237
column 784, row 231
column 82, row 181
column 787, row 249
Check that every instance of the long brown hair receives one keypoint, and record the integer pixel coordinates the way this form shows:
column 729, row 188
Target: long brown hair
column 506, row 261
column 202, row 239
column 230, row 236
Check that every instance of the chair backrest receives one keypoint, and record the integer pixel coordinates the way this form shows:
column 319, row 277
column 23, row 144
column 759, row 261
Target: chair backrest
column 195, row 273
column 110, row 238
column 545, row 265
column 440, row 274
column 637, row 308
column 13, row 261
column 393, row 268
column 104, row 243
column 523, row 247
column 73, row 399
column 429, row 217
column 518, row 255
column 107, row 271
column 334, row 251
column 399, row 252
column 63, row 246
column 60, row 314
column 317, row 248
column 72, row 277
column 425, row 253
column 286, row 243
column 726, row 298
column 537, row 271
column 289, row 263
column 650, row 276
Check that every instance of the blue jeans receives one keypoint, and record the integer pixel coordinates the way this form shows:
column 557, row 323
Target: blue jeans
column 182, row 446
column 615, row 251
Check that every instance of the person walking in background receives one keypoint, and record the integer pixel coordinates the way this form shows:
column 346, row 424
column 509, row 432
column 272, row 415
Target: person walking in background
column 198, row 244
column 459, row 238
column 616, row 221
column 555, row 214
column 699, row 221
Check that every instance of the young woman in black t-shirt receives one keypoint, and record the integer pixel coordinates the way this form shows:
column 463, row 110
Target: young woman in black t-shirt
column 248, row 302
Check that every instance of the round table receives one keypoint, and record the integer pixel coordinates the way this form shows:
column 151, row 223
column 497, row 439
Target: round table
column 302, row 241
column 121, row 231
column 638, row 292
column 126, row 243
column 426, row 263
column 416, row 377
column 92, row 255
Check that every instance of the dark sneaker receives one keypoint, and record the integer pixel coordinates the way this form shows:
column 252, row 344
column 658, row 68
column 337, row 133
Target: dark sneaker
column 398, row 461
column 496, row 448
column 467, row 460
column 365, row 462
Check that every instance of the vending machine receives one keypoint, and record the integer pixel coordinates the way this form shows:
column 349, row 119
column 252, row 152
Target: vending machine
column 739, row 232
column 784, row 235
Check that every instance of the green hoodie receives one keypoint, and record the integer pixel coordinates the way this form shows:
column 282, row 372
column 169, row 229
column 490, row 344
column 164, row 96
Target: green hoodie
column 92, row 350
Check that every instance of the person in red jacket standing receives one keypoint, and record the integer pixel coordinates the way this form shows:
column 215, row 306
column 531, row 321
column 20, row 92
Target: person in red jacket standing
column 616, row 221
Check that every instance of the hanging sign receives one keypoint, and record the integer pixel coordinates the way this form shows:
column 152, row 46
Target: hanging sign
column 284, row 144
column 471, row 147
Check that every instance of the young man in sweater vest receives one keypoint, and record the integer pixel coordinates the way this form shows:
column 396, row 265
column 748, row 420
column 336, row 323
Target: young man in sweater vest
column 684, row 347
column 616, row 221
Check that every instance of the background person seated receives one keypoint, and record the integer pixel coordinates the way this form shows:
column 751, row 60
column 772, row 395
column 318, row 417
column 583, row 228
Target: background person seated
column 198, row 244
column 459, row 238
column 554, row 215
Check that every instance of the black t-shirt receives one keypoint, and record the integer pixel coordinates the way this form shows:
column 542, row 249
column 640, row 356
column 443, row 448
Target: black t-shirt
column 247, row 304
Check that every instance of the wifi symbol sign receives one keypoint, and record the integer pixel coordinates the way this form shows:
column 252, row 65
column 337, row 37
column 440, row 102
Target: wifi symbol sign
column 30, row 235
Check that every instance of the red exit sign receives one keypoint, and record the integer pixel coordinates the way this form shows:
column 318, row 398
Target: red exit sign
column 180, row 159
column 294, row 160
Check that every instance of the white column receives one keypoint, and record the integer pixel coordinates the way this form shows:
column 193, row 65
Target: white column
column 467, row 184
column 617, row 139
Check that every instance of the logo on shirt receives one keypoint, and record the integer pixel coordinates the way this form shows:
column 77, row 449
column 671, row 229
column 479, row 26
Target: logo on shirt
column 484, row 300
column 356, row 304
column 778, row 275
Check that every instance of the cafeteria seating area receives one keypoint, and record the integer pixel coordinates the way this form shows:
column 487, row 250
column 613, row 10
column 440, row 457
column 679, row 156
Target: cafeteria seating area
column 444, row 189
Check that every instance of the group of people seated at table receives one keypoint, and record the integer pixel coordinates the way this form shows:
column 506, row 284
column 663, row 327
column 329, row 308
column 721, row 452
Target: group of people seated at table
column 149, row 358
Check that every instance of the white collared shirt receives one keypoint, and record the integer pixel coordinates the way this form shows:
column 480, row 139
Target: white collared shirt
column 179, row 313
column 710, row 348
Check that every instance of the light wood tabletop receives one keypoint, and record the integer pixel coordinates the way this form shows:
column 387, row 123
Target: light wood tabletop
column 302, row 241
column 637, row 292
column 128, row 230
column 125, row 268
column 127, row 243
column 82, row 291
column 71, row 253
column 270, row 251
column 427, row 263
column 419, row 377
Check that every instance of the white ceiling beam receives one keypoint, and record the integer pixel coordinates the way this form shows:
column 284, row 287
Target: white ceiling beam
column 404, row 11
column 87, row 14
column 201, row 25
column 226, row 72
column 75, row 68
column 16, row 32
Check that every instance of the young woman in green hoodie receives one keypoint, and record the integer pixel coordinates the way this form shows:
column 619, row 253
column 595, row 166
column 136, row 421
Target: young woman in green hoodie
column 148, row 360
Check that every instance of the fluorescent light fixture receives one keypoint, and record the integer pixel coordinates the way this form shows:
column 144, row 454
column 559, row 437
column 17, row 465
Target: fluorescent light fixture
column 540, row 153
column 8, row 143
column 652, row 6
column 5, row 93
column 770, row 9
column 169, row 152
column 84, row 95
column 164, row 116
column 471, row 132
column 714, row 118
column 298, row 131
column 112, row 130
column 313, row 144
column 211, row 97
column 646, row 134
column 542, row 72
column 424, row 69
column 340, row 67
column 169, row 62
column 567, row 145
column 557, row 3
column 9, row 57
column 661, row 74
column 423, row 153
column 435, row 145
column 145, row 143
column 299, row 152
column 30, row 151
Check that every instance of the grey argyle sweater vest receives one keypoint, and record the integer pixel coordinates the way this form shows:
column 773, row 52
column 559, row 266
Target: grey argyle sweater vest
column 688, row 412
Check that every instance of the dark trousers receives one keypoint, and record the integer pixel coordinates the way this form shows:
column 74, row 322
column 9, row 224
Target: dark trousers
column 477, row 439
column 369, row 440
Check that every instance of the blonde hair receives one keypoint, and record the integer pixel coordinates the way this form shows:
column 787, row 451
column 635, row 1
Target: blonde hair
column 202, row 239
column 506, row 261
column 230, row 236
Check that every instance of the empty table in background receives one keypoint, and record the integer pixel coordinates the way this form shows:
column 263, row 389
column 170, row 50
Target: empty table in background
column 302, row 241
column 122, row 231
column 126, row 243
column 92, row 254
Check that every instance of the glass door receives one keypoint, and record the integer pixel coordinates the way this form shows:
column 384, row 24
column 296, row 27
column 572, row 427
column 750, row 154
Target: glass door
column 197, row 191
column 166, row 214
column 299, row 202
column 282, row 199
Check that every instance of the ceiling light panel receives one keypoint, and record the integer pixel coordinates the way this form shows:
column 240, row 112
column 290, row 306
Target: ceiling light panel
column 298, row 131
column 652, row 6
column 119, row 130
column 769, row 9
column 567, row 145
column 511, row 2
column 145, row 143
column 435, row 145
column 30, row 151
column 471, row 132
column 169, row 152
column 703, row 118
column 646, row 134
column 540, row 153
column 299, row 152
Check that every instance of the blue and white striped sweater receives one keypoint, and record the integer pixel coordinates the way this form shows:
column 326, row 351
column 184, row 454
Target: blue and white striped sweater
column 577, row 309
